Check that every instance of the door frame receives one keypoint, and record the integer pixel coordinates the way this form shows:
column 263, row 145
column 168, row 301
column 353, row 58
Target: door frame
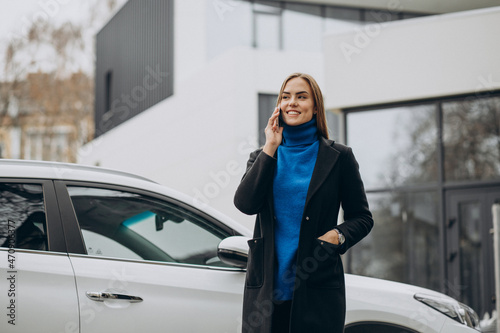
column 486, row 196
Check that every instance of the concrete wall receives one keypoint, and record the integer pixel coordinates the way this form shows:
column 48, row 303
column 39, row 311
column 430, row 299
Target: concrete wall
column 413, row 59
column 198, row 140
column 189, row 39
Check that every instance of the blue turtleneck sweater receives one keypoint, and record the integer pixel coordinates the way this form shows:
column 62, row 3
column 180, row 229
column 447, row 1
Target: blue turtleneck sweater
column 296, row 159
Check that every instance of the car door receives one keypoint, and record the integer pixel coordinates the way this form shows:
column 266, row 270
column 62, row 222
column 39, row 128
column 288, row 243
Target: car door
column 148, row 263
column 37, row 285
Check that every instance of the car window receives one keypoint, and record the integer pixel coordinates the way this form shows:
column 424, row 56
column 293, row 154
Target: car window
column 133, row 226
column 99, row 245
column 22, row 216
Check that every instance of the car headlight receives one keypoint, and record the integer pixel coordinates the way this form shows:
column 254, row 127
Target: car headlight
column 452, row 308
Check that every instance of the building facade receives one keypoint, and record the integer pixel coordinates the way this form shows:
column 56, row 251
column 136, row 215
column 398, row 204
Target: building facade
column 421, row 107
column 410, row 86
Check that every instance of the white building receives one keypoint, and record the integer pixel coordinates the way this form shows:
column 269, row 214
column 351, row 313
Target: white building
column 412, row 86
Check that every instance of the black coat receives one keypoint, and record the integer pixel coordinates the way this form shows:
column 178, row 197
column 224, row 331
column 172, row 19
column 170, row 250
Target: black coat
column 319, row 295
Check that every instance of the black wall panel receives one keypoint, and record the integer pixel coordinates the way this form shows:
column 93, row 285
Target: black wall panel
column 134, row 62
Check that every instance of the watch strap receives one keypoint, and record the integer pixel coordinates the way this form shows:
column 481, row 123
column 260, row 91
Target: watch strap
column 341, row 236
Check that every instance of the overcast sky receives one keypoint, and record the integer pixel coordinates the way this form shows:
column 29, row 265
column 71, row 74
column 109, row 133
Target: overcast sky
column 16, row 16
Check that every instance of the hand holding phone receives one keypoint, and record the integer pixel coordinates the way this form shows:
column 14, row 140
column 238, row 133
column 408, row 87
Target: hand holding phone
column 273, row 132
column 280, row 119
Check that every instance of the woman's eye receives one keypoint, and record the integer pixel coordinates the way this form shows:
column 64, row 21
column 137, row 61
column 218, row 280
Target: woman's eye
column 284, row 97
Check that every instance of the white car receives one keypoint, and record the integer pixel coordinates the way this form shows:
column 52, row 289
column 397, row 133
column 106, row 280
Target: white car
column 85, row 249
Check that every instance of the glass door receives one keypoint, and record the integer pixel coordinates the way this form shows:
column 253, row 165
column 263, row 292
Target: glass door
column 469, row 247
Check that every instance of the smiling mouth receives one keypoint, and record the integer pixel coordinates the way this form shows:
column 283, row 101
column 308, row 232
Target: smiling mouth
column 293, row 113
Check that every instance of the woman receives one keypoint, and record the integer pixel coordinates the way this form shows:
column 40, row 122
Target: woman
column 296, row 184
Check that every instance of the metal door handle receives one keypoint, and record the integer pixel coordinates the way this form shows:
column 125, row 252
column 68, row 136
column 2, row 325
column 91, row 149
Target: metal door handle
column 101, row 297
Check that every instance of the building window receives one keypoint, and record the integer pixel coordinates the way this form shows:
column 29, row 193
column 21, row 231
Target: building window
column 108, row 87
column 333, row 123
column 284, row 25
column 395, row 146
column 374, row 327
column 34, row 146
column 148, row 229
column 60, row 146
column 267, row 103
column 404, row 246
column 267, row 27
column 299, row 27
column 303, row 28
column 471, row 130
column 53, row 145
column 343, row 14
column 427, row 169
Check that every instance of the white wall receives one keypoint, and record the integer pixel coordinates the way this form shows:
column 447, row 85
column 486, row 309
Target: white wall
column 198, row 140
column 414, row 59
column 189, row 38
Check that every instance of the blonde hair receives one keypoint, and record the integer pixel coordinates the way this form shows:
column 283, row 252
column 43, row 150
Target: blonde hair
column 318, row 101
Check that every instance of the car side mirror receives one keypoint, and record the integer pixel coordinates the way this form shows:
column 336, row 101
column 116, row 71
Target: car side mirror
column 234, row 251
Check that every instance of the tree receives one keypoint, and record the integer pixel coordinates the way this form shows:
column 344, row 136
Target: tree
column 47, row 89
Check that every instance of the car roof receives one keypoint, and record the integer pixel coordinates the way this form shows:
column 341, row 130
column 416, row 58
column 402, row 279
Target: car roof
column 28, row 169
column 58, row 170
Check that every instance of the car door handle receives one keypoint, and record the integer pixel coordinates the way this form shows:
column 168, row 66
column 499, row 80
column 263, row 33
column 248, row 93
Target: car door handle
column 101, row 297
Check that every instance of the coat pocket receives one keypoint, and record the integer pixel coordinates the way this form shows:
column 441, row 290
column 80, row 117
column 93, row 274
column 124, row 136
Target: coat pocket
column 329, row 272
column 255, row 266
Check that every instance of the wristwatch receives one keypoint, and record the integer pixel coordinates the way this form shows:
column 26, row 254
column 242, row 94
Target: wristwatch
column 341, row 237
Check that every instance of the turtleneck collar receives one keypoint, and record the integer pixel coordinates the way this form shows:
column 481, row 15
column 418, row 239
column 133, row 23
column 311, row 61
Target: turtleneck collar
column 303, row 134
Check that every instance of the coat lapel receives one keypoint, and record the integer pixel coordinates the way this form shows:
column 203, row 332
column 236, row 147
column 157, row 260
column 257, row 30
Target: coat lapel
column 327, row 157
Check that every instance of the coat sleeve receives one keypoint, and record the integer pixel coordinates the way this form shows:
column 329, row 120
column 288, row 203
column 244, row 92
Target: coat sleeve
column 254, row 187
column 358, row 219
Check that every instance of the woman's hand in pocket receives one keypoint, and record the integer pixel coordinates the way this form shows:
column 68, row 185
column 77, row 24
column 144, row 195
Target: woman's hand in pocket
column 331, row 236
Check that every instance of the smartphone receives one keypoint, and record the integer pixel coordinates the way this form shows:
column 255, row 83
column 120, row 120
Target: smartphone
column 280, row 119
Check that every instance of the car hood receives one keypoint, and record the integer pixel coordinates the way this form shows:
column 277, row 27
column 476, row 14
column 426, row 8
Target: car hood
column 369, row 284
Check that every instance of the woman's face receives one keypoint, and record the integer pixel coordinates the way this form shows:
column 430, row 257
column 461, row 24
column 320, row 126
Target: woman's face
column 297, row 102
